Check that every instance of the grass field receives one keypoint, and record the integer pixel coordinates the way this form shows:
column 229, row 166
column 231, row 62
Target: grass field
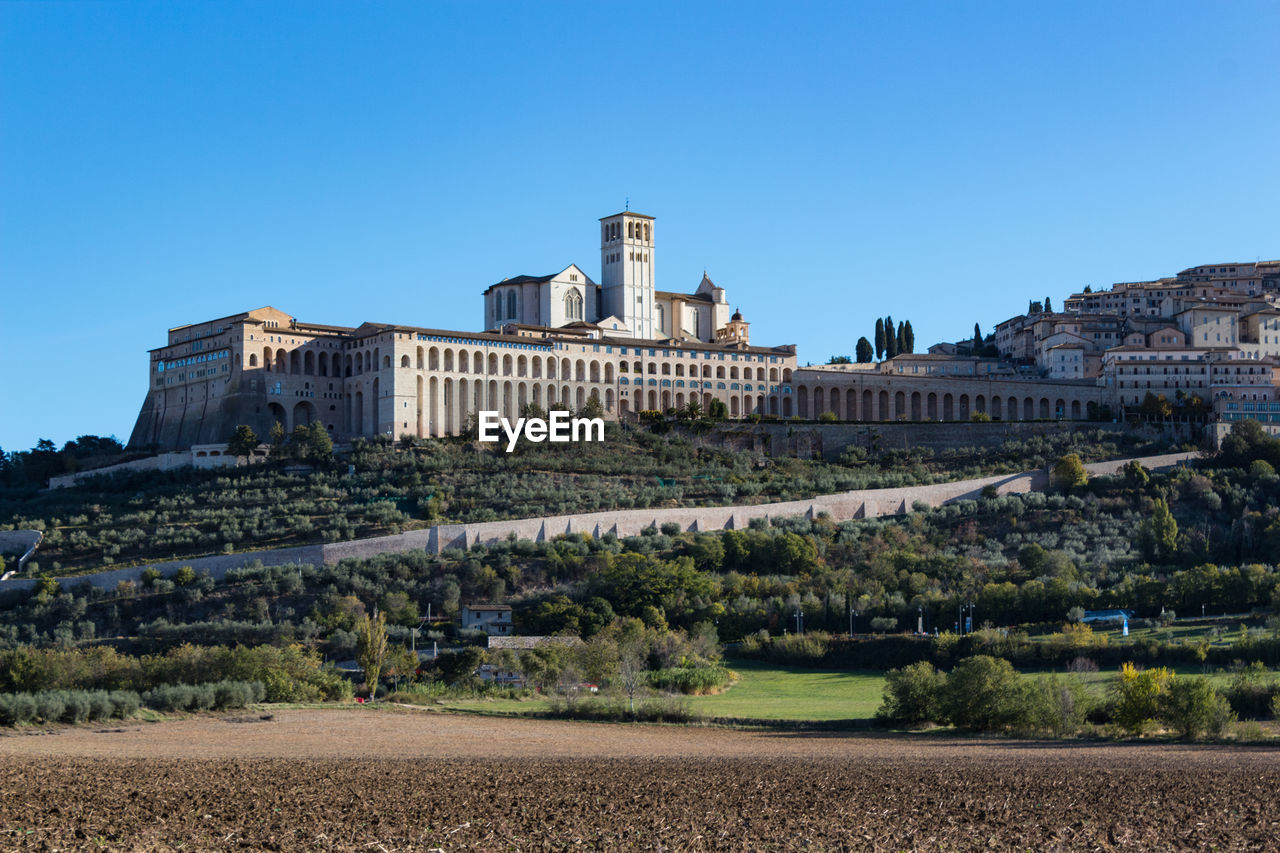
column 770, row 692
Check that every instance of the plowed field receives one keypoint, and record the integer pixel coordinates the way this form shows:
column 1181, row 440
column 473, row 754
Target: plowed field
column 377, row 780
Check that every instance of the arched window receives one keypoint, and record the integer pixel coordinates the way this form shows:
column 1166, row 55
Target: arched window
column 511, row 304
column 661, row 313
column 630, row 231
column 646, row 232
column 497, row 306
column 573, row 305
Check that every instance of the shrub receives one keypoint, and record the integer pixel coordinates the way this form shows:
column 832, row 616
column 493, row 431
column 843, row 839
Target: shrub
column 1137, row 697
column 982, row 693
column 1191, row 707
column 913, row 694
column 882, row 624
column 1055, row 705
column 49, row 707
column 689, row 679
column 17, row 708
column 75, row 706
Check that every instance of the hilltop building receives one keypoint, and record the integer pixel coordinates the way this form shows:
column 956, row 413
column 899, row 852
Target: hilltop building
column 555, row 341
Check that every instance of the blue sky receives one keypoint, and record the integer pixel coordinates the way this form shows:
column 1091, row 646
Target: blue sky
column 165, row 163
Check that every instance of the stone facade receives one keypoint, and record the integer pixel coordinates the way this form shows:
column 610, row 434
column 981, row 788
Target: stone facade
column 547, row 345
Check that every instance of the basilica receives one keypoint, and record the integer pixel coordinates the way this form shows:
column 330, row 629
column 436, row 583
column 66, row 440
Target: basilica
column 555, row 341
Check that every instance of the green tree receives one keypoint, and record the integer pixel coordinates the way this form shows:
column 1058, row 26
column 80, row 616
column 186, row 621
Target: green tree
column 839, row 359
column 913, row 694
column 977, row 338
column 1048, row 306
column 863, row 351
column 401, row 663
column 1191, row 706
column 592, row 408
column 243, row 442
column 1135, row 475
column 1068, row 472
column 982, row 693
column 1159, row 533
column 908, row 338
column 371, row 647
column 717, row 410
column 890, row 338
column 277, row 435
column 879, row 338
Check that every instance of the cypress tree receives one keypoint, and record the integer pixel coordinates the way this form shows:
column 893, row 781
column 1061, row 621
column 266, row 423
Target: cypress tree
column 864, row 351
column 909, row 337
column 879, row 338
column 890, row 339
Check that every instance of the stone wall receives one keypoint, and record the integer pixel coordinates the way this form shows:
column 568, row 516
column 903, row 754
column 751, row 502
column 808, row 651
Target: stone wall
column 865, row 503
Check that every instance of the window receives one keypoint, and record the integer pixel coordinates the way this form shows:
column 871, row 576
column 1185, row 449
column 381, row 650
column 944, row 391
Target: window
column 511, row 303
column 573, row 305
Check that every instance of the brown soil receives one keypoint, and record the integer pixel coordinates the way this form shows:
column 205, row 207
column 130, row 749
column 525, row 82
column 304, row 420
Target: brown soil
column 378, row 780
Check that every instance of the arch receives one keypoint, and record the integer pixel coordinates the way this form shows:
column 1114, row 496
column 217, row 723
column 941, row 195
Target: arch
column 720, row 371
column 595, row 371
column 1044, row 408
column 802, row 401
column 653, row 401
column 980, row 404
column 511, row 304
column 608, row 371
column 433, row 358
column 434, row 427
column 733, row 407
column 322, row 364
column 1028, row 409
column 931, row 406
column 773, row 374
column 359, row 413
column 916, row 413
column 1075, row 410
column 420, row 427
column 608, row 399
column 899, row 405
column 948, row 408
column 997, row 412
column 535, row 367
column 786, row 374
column 573, row 305
column 666, row 400
column 1012, row 414
column 522, row 366
column 760, row 403
column 506, row 365
column 421, row 360
column 759, row 374
column 565, row 371
column 448, row 361
column 295, row 362
column 348, row 366
column 522, row 396
column 833, row 402
column 580, row 371
column 282, row 361
column 493, row 364
column 375, row 400
column 309, row 363
column 464, row 361
column 773, row 404
column 266, row 358
column 551, row 368
column 868, row 414
column 278, row 415
column 963, row 414
column 303, row 414
column 378, row 360
column 882, row 406
column 666, row 368
column 850, row 404
column 404, row 361
column 582, row 398
column 253, row 359
column 733, row 372
column 679, row 399
column 1059, row 409
column 786, row 406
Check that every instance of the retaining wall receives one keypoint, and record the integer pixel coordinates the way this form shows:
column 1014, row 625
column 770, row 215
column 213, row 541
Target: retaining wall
column 864, row 503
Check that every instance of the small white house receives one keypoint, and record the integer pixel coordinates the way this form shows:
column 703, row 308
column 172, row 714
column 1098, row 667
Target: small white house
column 490, row 618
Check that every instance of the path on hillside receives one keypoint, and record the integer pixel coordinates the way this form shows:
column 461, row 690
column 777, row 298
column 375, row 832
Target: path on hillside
column 843, row 506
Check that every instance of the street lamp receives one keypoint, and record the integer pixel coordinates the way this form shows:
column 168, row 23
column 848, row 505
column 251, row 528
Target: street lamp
column 799, row 614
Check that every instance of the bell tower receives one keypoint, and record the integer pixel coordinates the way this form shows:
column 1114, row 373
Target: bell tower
column 626, row 264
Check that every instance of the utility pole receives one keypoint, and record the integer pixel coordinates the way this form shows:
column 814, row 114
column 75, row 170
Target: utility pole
column 799, row 614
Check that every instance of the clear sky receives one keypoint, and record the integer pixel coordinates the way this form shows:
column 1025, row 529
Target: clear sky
column 165, row 163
